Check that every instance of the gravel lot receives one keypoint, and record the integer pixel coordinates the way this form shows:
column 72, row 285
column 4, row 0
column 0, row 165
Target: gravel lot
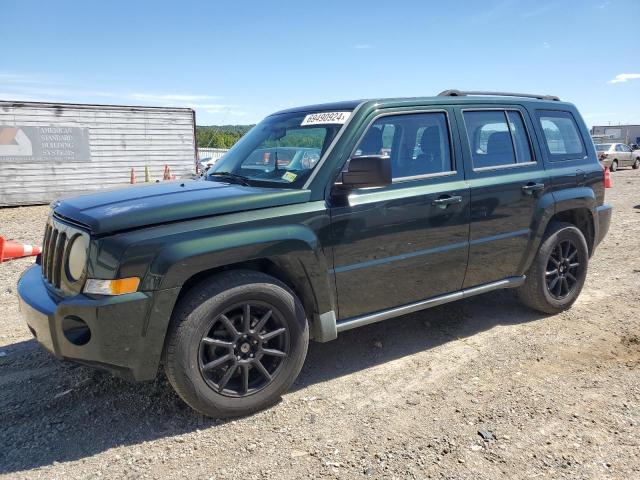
column 555, row 396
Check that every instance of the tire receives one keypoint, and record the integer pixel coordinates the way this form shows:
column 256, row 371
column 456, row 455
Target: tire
column 539, row 292
column 614, row 166
column 636, row 164
column 222, row 365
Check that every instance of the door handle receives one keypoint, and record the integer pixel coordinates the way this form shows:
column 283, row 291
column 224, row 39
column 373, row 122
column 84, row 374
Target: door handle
column 445, row 201
column 532, row 187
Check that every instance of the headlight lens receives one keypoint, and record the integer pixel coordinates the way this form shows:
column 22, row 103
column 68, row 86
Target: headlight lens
column 77, row 258
column 119, row 286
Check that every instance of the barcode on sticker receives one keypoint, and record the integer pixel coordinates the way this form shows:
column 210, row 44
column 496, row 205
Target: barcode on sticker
column 325, row 117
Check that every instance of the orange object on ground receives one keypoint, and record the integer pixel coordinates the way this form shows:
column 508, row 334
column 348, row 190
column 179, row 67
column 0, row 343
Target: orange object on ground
column 9, row 250
column 133, row 176
column 607, row 178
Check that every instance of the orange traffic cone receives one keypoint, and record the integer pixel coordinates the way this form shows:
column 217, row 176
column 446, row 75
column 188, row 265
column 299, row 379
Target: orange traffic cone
column 607, row 178
column 9, row 250
column 133, row 176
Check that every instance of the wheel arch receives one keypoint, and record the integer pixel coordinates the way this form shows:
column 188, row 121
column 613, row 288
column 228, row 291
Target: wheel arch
column 583, row 219
column 291, row 254
column 572, row 205
column 286, row 270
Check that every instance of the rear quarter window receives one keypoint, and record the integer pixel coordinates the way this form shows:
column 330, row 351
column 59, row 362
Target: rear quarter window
column 563, row 140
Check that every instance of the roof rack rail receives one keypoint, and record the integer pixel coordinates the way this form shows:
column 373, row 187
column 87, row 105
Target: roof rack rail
column 461, row 93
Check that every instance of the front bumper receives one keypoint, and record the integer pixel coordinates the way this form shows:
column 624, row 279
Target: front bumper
column 126, row 332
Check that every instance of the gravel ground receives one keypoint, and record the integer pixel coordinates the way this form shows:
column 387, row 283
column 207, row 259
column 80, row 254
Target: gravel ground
column 553, row 396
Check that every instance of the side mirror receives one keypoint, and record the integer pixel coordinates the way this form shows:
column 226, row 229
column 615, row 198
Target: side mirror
column 367, row 171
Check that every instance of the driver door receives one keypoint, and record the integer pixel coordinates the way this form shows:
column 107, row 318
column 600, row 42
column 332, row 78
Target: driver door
column 407, row 241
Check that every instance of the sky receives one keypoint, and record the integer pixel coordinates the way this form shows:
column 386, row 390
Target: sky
column 235, row 62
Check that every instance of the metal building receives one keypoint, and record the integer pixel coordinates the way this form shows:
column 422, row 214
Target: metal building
column 616, row 133
column 50, row 150
column 211, row 153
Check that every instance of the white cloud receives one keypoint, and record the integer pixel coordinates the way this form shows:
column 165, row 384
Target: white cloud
column 546, row 45
column 541, row 10
column 170, row 97
column 623, row 77
column 604, row 5
column 38, row 88
column 361, row 46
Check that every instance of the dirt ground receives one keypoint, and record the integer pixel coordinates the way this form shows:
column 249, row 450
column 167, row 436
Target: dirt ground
column 555, row 396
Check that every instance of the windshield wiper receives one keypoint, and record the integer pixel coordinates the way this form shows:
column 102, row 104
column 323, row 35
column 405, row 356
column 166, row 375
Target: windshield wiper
column 242, row 180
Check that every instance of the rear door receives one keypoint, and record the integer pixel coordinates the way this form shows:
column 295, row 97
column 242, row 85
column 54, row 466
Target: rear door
column 626, row 154
column 507, row 180
column 408, row 241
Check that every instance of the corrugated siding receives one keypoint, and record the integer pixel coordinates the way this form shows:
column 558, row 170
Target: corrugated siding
column 119, row 138
column 213, row 153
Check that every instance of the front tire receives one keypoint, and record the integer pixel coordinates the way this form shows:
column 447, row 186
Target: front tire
column 237, row 341
column 614, row 166
column 558, row 271
column 636, row 164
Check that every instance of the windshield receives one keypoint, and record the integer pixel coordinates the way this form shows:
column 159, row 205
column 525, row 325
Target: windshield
column 281, row 151
column 603, row 147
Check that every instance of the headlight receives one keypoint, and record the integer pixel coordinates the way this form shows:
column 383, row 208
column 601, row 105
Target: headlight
column 77, row 258
column 118, row 286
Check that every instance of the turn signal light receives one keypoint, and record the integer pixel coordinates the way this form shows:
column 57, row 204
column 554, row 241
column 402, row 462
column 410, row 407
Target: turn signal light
column 119, row 286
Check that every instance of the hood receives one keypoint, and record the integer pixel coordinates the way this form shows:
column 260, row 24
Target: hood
column 157, row 203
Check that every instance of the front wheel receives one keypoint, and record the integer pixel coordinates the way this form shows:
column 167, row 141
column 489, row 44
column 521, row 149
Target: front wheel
column 558, row 271
column 614, row 166
column 636, row 164
column 237, row 342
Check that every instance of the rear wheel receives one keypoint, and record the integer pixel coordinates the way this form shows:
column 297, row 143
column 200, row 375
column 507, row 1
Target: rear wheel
column 236, row 343
column 558, row 271
column 614, row 166
column 636, row 164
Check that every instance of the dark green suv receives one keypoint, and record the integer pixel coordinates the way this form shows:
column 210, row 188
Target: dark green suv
column 321, row 219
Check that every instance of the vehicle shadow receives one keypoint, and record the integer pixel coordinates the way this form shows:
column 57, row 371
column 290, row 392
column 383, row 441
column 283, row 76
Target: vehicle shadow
column 53, row 411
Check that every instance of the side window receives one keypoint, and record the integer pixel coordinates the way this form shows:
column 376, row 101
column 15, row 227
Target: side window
column 561, row 135
column 520, row 137
column 417, row 144
column 619, row 148
column 497, row 138
column 625, row 148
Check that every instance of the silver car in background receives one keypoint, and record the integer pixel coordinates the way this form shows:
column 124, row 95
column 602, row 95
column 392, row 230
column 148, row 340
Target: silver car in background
column 614, row 155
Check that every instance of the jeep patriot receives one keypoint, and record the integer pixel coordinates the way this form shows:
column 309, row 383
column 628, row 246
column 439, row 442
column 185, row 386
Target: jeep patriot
column 321, row 219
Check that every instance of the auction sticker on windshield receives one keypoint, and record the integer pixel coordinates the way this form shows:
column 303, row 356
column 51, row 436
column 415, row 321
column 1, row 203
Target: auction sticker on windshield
column 325, row 118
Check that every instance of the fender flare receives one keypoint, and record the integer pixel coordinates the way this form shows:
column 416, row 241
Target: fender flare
column 550, row 205
column 294, row 249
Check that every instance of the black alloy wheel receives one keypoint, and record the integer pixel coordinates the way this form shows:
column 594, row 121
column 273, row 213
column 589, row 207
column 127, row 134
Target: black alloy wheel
column 236, row 342
column 243, row 349
column 563, row 269
column 557, row 274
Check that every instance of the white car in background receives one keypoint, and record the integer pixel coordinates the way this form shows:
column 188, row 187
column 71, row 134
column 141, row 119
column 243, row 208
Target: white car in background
column 614, row 155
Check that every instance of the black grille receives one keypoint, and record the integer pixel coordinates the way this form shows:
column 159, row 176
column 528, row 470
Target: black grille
column 53, row 249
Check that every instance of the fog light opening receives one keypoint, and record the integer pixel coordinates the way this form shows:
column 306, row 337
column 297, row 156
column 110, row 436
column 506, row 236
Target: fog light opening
column 76, row 330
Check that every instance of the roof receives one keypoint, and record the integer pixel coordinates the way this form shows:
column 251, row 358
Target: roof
column 400, row 101
column 617, row 126
column 20, row 103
